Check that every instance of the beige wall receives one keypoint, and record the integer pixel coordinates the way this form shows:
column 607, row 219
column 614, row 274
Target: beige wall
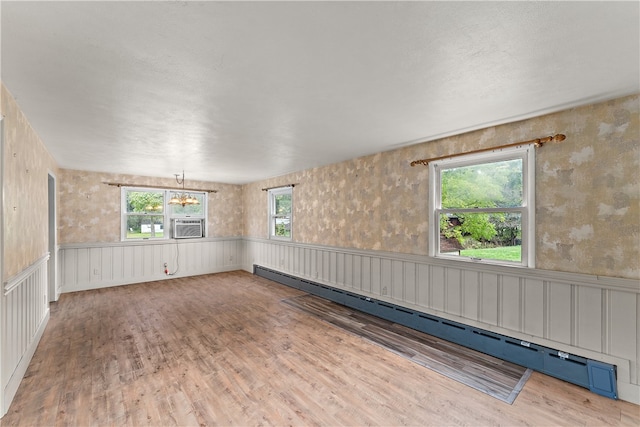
column 587, row 193
column 26, row 167
column 89, row 210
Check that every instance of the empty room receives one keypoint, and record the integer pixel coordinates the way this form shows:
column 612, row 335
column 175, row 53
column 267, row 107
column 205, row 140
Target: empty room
column 319, row 213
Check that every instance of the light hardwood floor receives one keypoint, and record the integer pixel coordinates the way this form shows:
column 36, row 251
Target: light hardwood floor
column 224, row 349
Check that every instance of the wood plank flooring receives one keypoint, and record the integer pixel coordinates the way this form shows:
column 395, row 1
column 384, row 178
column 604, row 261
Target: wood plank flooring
column 495, row 377
column 225, row 349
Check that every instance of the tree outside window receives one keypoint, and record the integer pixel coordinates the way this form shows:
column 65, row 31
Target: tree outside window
column 482, row 207
column 280, row 212
column 144, row 214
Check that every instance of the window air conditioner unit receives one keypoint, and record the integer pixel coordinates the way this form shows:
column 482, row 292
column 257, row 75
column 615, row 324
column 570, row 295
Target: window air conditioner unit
column 187, row 228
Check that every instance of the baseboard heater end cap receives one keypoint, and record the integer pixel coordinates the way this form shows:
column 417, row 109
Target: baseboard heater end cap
column 602, row 378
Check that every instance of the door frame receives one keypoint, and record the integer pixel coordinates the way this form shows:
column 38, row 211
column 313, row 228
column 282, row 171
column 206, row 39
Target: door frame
column 52, row 238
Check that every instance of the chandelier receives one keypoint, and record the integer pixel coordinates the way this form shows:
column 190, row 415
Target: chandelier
column 182, row 198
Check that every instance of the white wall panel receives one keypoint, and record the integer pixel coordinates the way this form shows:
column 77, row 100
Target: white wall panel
column 82, row 266
column 138, row 261
column 106, row 258
column 376, row 276
column 340, row 268
column 511, row 303
column 102, row 265
column 470, row 294
column 489, row 298
column 365, row 279
column 410, row 282
column 422, row 287
column 127, row 265
column 326, row 267
column 437, row 287
column 397, row 280
column 560, row 307
column 533, row 311
column 348, row 271
column 95, row 257
column 356, row 277
column 25, row 306
column 452, row 296
column 591, row 316
column 622, row 331
column 385, row 276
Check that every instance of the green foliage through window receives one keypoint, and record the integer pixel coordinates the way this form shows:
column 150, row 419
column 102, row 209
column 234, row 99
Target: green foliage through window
column 145, row 218
column 280, row 209
column 144, row 215
column 481, row 208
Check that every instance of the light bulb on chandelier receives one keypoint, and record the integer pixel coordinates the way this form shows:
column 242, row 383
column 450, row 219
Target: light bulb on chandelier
column 182, row 198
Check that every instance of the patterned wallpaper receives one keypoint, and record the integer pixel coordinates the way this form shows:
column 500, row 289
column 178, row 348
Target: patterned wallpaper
column 90, row 211
column 588, row 198
column 25, row 211
column 587, row 192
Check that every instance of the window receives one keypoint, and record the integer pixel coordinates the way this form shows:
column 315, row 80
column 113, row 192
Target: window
column 482, row 207
column 147, row 214
column 280, row 208
column 190, row 211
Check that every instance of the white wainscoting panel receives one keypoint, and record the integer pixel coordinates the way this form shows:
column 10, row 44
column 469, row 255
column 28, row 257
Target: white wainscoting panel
column 92, row 266
column 25, row 307
column 590, row 316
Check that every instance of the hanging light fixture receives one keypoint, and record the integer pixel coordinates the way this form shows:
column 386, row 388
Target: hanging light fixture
column 182, row 198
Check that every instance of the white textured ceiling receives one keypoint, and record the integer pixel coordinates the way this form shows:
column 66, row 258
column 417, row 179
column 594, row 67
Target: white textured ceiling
column 240, row 91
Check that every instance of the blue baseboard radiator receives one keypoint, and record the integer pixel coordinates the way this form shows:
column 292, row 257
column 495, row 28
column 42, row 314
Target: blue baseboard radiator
column 597, row 376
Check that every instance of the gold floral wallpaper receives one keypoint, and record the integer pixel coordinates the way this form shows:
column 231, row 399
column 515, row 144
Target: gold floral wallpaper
column 27, row 165
column 587, row 192
column 90, row 210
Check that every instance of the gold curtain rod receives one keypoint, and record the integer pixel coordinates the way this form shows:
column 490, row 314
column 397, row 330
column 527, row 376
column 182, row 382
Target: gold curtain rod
column 279, row 186
column 163, row 187
column 537, row 142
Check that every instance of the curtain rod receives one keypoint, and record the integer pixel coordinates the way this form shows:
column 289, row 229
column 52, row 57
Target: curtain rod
column 539, row 142
column 279, row 186
column 163, row 187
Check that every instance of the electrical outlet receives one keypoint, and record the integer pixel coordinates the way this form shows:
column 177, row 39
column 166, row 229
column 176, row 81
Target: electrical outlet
column 96, row 272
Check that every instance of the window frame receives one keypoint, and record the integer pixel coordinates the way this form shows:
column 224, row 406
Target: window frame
column 526, row 209
column 166, row 213
column 272, row 216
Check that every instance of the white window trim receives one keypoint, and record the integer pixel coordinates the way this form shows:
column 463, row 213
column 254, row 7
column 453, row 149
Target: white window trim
column 165, row 213
column 527, row 153
column 271, row 215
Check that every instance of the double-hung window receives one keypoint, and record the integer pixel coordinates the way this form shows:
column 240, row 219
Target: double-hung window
column 143, row 214
column 482, row 207
column 280, row 212
column 147, row 214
